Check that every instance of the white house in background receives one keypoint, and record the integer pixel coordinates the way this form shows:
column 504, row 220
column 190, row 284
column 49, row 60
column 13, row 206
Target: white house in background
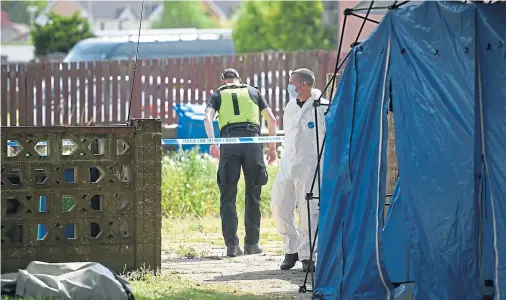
column 11, row 31
column 106, row 15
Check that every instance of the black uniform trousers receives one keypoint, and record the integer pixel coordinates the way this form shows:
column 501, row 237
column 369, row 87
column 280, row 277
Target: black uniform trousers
column 232, row 158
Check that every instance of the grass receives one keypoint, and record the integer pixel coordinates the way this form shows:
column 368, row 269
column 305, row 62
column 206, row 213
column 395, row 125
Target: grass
column 189, row 238
column 191, row 225
column 146, row 285
column 171, row 286
column 189, row 187
column 186, row 238
column 188, row 234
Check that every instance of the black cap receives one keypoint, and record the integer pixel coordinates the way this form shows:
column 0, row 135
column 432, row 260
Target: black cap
column 230, row 73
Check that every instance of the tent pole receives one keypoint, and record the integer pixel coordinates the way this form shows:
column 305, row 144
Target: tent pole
column 363, row 22
column 309, row 196
column 364, row 18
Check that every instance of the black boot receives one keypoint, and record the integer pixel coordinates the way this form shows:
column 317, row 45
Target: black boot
column 252, row 249
column 306, row 265
column 289, row 262
column 234, row 250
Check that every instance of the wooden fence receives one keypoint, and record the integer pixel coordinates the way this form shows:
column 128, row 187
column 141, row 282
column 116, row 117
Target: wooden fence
column 98, row 92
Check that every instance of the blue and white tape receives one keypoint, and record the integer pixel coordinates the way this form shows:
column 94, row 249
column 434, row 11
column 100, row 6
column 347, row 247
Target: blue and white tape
column 237, row 140
column 203, row 141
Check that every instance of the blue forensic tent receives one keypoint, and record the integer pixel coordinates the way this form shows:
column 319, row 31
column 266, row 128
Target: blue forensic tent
column 446, row 65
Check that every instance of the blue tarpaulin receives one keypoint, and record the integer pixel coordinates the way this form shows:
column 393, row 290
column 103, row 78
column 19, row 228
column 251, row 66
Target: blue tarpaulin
column 491, row 21
column 396, row 240
column 446, row 63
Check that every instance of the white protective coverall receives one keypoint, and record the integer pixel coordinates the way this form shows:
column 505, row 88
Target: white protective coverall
column 296, row 170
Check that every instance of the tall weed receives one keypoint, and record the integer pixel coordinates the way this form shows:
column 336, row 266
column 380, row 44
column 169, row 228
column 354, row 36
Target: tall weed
column 189, row 187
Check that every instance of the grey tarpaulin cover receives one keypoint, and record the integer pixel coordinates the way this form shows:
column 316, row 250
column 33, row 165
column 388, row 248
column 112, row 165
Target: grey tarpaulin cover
column 77, row 280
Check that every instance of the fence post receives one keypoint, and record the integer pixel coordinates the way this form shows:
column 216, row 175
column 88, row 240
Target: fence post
column 148, row 169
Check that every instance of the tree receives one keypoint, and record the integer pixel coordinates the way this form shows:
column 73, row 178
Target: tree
column 60, row 33
column 281, row 25
column 184, row 14
column 250, row 33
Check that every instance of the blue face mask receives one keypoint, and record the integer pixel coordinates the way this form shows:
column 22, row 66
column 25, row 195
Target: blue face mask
column 292, row 91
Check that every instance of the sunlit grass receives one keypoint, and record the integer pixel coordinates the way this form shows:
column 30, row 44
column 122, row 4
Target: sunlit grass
column 189, row 187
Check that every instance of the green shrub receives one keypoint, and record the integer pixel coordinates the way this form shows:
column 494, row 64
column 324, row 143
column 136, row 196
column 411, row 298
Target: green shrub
column 189, row 186
column 60, row 33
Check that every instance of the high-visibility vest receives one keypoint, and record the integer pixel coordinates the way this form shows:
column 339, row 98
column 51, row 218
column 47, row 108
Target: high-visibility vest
column 237, row 106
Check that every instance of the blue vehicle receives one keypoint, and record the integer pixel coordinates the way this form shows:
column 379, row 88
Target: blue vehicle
column 153, row 44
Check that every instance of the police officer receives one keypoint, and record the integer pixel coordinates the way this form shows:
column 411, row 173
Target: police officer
column 239, row 107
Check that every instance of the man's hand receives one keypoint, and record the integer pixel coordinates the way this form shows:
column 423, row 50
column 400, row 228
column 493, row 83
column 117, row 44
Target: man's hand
column 214, row 151
column 272, row 154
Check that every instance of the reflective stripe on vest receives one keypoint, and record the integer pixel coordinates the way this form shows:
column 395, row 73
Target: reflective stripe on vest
column 237, row 106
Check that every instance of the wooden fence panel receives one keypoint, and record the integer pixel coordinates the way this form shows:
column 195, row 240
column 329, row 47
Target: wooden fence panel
column 4, row 100
column 48, row 88
column 265, row 74
column 190, row 80
column 288, row 65
column 126, row 69
column 113, row 69
column 135, row 107
column 65, row 94
column 100, row 92
column 157, row 92
column 249, row 72
column 177, row 81
column 185, row 74
column 107, row 93
column 201, row 83
column 21, row 106
column 90, row 90
column 206, row 83
column 165, row 91
column 98, row 95
column 30, row 95
column 12, row 105
column 275, row 75
column 72, row 99
column 56, row 98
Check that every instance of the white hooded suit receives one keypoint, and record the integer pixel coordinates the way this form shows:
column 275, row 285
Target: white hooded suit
column 296, row 170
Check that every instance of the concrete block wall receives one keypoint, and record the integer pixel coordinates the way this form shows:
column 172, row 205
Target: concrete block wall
column 82, row 194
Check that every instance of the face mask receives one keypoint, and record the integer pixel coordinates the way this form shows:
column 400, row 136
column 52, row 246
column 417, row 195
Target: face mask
column 291, row 91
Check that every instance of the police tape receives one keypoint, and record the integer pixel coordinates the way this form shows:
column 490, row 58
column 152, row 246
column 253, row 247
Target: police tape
column 203, row 141
column 235, row 140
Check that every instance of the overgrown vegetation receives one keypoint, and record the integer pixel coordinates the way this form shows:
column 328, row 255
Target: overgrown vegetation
column 189, row 186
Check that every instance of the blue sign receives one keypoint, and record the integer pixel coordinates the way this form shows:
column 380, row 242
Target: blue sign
column 310, row 124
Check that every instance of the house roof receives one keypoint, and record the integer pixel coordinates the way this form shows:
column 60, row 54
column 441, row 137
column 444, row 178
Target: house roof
column 113, row 9
column 224, row 8
column 4, row 18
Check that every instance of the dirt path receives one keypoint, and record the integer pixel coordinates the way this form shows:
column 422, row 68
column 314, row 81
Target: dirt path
column 204, row 261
